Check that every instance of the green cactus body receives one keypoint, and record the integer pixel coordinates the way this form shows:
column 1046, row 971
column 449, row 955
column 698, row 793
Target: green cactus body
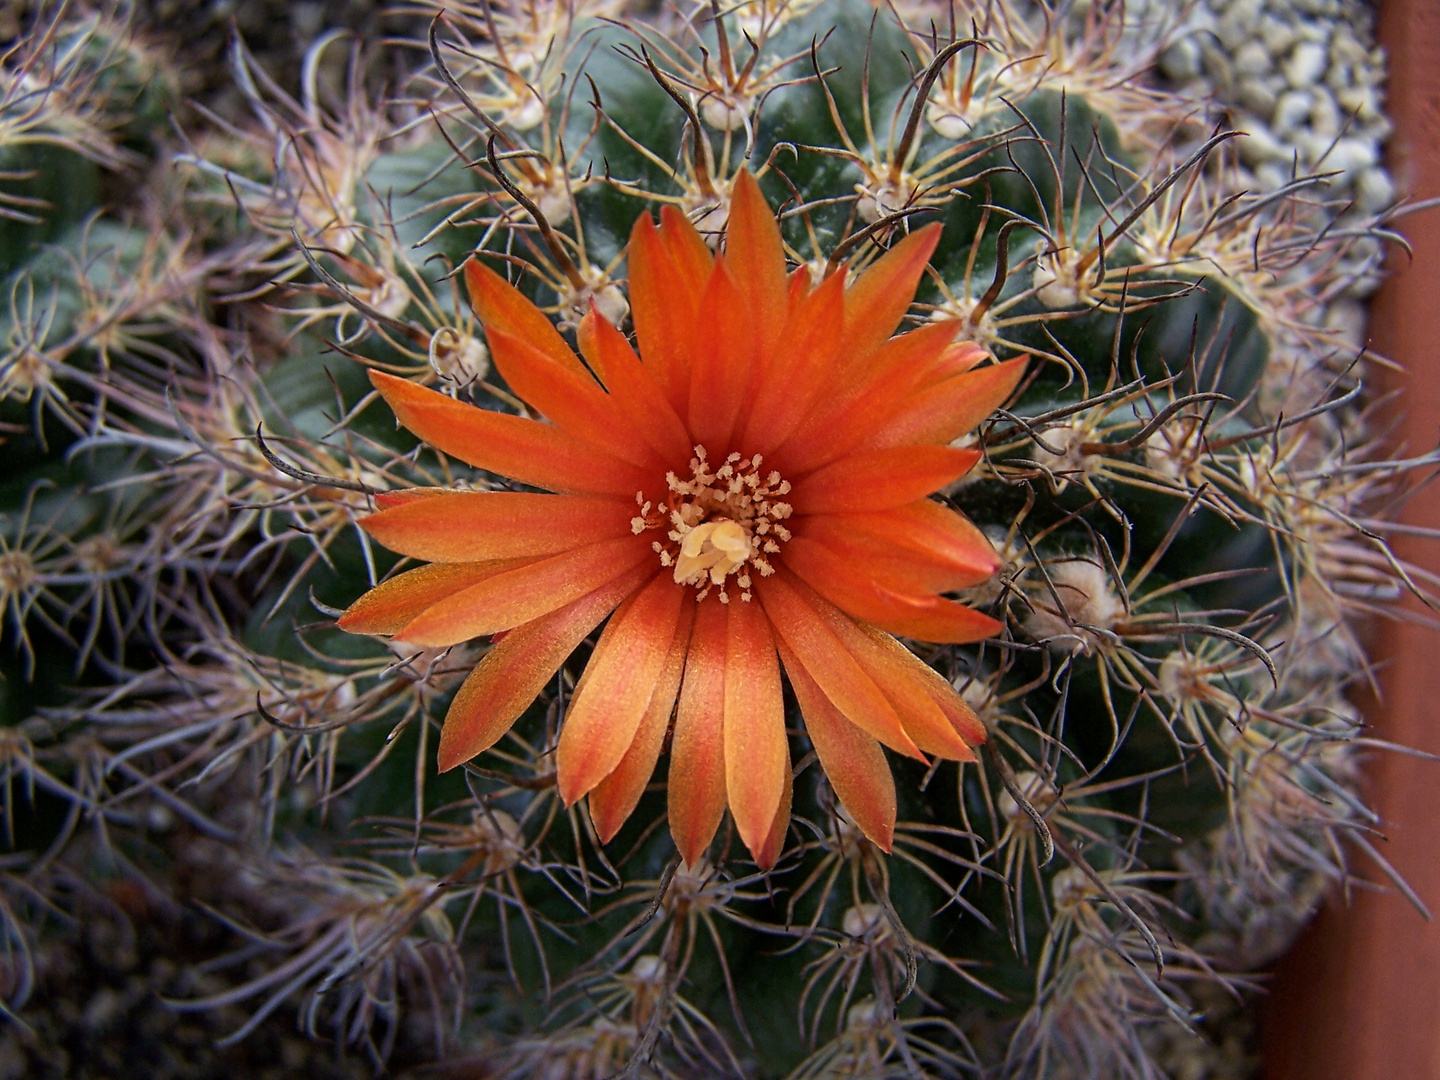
column 1168, row 769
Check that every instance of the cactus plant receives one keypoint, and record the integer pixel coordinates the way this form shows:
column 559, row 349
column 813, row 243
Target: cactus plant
column 961, row 380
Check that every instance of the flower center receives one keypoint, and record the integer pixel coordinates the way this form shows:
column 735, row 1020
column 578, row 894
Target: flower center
column 719, row 523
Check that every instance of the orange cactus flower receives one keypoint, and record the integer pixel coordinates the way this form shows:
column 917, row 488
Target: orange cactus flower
column 749, row 492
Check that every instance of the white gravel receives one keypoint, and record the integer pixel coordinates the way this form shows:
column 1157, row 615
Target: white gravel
column 1304, row 80
column 1306, row 72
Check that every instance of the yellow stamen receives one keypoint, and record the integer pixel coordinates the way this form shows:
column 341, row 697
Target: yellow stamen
column 721, row 522
column 715, row 548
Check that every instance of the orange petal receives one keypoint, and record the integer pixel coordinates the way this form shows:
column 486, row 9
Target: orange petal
column 589, row 349
column 799, row 286
column 961, row 716
column 633, row 386
column 574, row 402
column 894, row 567
column 391, row 604
column 696, row 788
column 756, row 753
column 517, row 596
column 466, row 526
column 880, row 479
column 720, row 370
column 925, row 530
column 756, row 255
column 941, row 413
column 400, row 496
column 906, row 550
column 793, row 374
column 945, row 623
column 960, row 357
column 829, row 663
column 511, row 674
column 503, row 308
column 663, row 299
column 874, row 590
column 687, row 249
column 512, row 446
column 879, row 298
column 853, row 761
column 769, row 852
column 840, row 422
column 614, row 799
column 619, row 681
column 896, row 671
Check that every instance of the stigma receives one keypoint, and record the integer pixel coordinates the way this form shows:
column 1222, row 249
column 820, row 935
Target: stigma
column 721, row 526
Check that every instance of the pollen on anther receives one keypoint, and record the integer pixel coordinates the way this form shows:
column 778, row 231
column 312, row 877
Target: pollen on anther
column 717, row 522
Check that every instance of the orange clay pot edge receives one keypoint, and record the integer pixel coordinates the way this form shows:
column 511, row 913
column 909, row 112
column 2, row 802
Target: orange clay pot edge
column 1358, row 998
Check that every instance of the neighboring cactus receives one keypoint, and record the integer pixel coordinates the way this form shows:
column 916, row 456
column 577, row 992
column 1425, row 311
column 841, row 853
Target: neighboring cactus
column 1177, row 513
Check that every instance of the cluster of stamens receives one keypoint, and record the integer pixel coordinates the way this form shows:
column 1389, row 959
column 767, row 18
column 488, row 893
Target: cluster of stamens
column 718, row 523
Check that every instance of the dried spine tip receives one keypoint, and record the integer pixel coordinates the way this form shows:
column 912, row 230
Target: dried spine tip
column 1040, row 794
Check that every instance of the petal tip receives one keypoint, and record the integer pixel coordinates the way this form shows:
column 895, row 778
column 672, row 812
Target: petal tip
column 927, row 237
column 570, row 784
column 383, row 380
column 605, row 827
column 448, row 757
column 691, row 851
column 747, row 183
column 643, row 229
